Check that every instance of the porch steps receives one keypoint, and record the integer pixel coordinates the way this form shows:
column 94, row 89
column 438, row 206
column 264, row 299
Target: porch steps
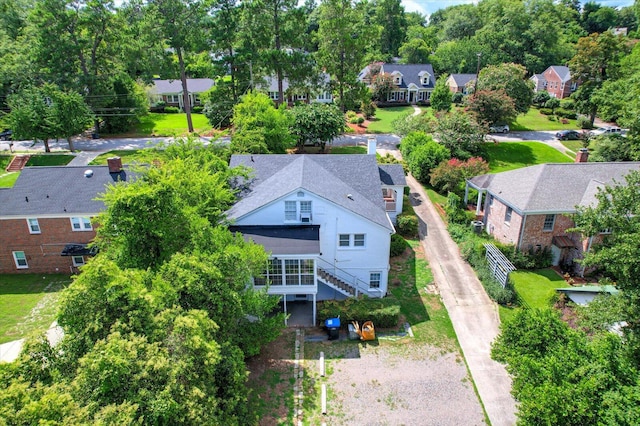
column 336, row 282
column 18, row 162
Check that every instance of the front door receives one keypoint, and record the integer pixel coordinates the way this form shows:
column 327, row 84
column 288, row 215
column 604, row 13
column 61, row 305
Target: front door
column 412, row 97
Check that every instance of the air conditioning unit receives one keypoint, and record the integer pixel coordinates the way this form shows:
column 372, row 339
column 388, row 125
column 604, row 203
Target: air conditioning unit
column 305, row 217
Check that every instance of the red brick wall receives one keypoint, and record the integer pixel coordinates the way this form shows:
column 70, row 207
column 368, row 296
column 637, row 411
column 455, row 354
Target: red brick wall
column 42, row 250
column 555, row 87
column 535, row 235
column 507, row 233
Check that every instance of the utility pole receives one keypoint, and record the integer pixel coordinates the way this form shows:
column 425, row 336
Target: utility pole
column 475, row 88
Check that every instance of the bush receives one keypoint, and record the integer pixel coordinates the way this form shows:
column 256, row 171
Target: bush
column 407, row 225
column 567, row 103
column 546, row 111
column 584, row 123
column 530, row 259
column 541, row 98
column 450, row 175
column 385, row 313
column 171, row 109
column 457, row 98
column 398, row 245
column 197, row 109
column 565, row 113
column 368, row 109
column 351, row 114
column 425, row 157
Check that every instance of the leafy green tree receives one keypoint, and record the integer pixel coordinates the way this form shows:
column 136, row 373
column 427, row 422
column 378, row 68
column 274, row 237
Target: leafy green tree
column 441, row 96
column 461, row 134
column 449, row 176
column 422, row 154
column 612, row 148
column 491, row 107
column 511, row 79
column 552, row 104
column 316, row 123
column 540, row 98
column 414, row 51
column 256, row 112
column 219, row 103
column 389, row 14
column 381, row 86
column 409, row 123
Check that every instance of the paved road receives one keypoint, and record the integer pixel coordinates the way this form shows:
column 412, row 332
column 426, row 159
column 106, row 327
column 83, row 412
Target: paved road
column 474, row 316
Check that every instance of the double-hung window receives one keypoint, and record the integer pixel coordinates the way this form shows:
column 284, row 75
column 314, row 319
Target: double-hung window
column 507, row 215
column 297, row 211
column 78, row 260
column 374, row 279
column 344, row 240
column 34, row 226
column 290, row 210
column 305, row 211
column 20, row 259
column 351, row 240
column 549, row 221
column 81, row 224
column 358, row 240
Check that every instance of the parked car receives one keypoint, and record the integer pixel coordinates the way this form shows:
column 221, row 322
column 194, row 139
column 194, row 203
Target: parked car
column 5, row 135
column 606, row 130
column 565, row 135
column 499, row 128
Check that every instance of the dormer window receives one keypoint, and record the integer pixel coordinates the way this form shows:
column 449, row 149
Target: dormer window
column 426, row 79
column 397, row 78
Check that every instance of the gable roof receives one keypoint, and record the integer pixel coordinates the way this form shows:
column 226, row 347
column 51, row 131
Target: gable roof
column 195, row 85
column 552, row 188
column 539, row 77
column 411, row 74
column 57, row 191
column 392, row 174
column 461, row 80
column 349, row 181
column 562, row 71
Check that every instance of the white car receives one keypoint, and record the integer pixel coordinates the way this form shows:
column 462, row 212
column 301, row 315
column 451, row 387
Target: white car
column 606, row 130
column 499, row 128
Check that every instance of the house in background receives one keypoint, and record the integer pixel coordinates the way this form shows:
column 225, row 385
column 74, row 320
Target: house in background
column 319, row 92
column 326, row 221
column 413, row 83
column 556, row 80
column 539, row 82
column 532, row 207
column 45, row 219
column 170, row 91
column 460, row 83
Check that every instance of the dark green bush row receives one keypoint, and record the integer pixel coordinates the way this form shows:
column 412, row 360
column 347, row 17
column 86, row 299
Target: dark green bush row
column 473, row 251
column 546, row 111
column 385, row 313
column 197, row 109
column 398, row 245
column 529, row 259
column 566, row 113
column 171, row 109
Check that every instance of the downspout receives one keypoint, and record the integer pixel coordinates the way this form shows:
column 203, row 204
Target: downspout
column 524, row 223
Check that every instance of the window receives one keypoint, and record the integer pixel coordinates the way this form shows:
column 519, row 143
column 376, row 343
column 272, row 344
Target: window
column 549, row 221
column 351, row 240
column 20, row 259
column 298, row 271
column 274, row 96
column 81, row 224
column 196, row 97
column 34, row 226
column 305, row 211
column 392, row 96
column 290, row 210
column 343, row 240
column 374, row 279
column 273, row 274
column 490, row 201
column 425, row 80
column 397, row 80
column 605, row 231
column 78, row 260
column 173, row 99
column 358, row 240
column 507, row 215
column 574, row 86
column 301, row 97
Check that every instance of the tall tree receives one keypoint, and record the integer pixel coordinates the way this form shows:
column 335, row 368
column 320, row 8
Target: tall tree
column 512, row 79
column 316, row 123
column 441, row 96
column 389, row 14
column 491, row 107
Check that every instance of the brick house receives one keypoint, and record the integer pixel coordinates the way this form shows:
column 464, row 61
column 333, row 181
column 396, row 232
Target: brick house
column 531, row 207
column 460, row 83
column 45, row 219
column 556, row 80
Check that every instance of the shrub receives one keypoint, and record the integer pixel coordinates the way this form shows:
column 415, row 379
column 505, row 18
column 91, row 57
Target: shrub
column 552, row 103
column 584, row 123
column 546, row 111
column 565, row 113
column 568, row 103
column 171, row 109
column 541, row 98
column 407, row 225
column 197, row 109
column 368, row 108
column 385, row 313
column 457, row 98
column 449, row 175
column 351, row 114
column 398, row 245
column 426, row 157
column 530, row 259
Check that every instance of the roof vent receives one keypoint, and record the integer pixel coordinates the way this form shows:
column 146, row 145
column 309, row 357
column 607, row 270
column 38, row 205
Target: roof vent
column 88, row 173
column 349, row 196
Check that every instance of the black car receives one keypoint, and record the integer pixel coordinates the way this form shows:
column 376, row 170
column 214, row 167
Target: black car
column 564, row 135
column 5, row 135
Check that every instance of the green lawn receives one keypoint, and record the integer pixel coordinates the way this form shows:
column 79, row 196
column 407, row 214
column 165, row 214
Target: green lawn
column 535, row 289
column 28, row 303
column 50, row 160
column 129, row 156
column 155, row 124
column 348, row 150
column 574, row 146
column 8, row 179
column 514, row 155
column 533, row 120
column 384, row 116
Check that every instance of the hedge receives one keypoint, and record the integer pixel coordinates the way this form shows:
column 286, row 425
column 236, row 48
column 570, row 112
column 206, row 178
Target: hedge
column 384, row 313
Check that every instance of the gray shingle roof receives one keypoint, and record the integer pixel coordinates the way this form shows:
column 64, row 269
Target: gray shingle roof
column 539, row 77
column 270, row 83
column 411, row 74
column 195, row 85
column 57, row 191
column 392, row 174
column 562, row 71
column 553, row 188
column 332, row 177
column 461, row 80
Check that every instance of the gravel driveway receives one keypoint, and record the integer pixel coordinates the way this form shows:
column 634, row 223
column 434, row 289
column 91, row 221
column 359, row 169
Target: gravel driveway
column 398, row 385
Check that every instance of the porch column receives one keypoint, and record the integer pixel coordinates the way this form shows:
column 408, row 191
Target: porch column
column 180, row 101
column 479, row 203
column 314, row 309
column 466, row 193
column 284, row 297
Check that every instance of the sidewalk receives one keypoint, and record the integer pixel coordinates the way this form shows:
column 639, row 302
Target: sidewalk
column 474, row 316
column 10, row 351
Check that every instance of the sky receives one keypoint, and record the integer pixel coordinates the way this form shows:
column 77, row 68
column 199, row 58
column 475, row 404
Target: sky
column 427, row 7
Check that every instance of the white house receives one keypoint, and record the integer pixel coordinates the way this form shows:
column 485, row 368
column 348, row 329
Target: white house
column 413, row 83
column 311, row 92
column 170, row 91
column 325, row 219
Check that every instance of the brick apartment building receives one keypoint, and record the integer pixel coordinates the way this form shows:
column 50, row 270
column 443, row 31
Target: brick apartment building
column 45, row 219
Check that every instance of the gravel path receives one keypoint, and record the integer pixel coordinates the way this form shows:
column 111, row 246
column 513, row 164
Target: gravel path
column 412, row 385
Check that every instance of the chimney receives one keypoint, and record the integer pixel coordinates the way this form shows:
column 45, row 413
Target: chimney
column 371, row 145
column 115, row 164
column 582, row 156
